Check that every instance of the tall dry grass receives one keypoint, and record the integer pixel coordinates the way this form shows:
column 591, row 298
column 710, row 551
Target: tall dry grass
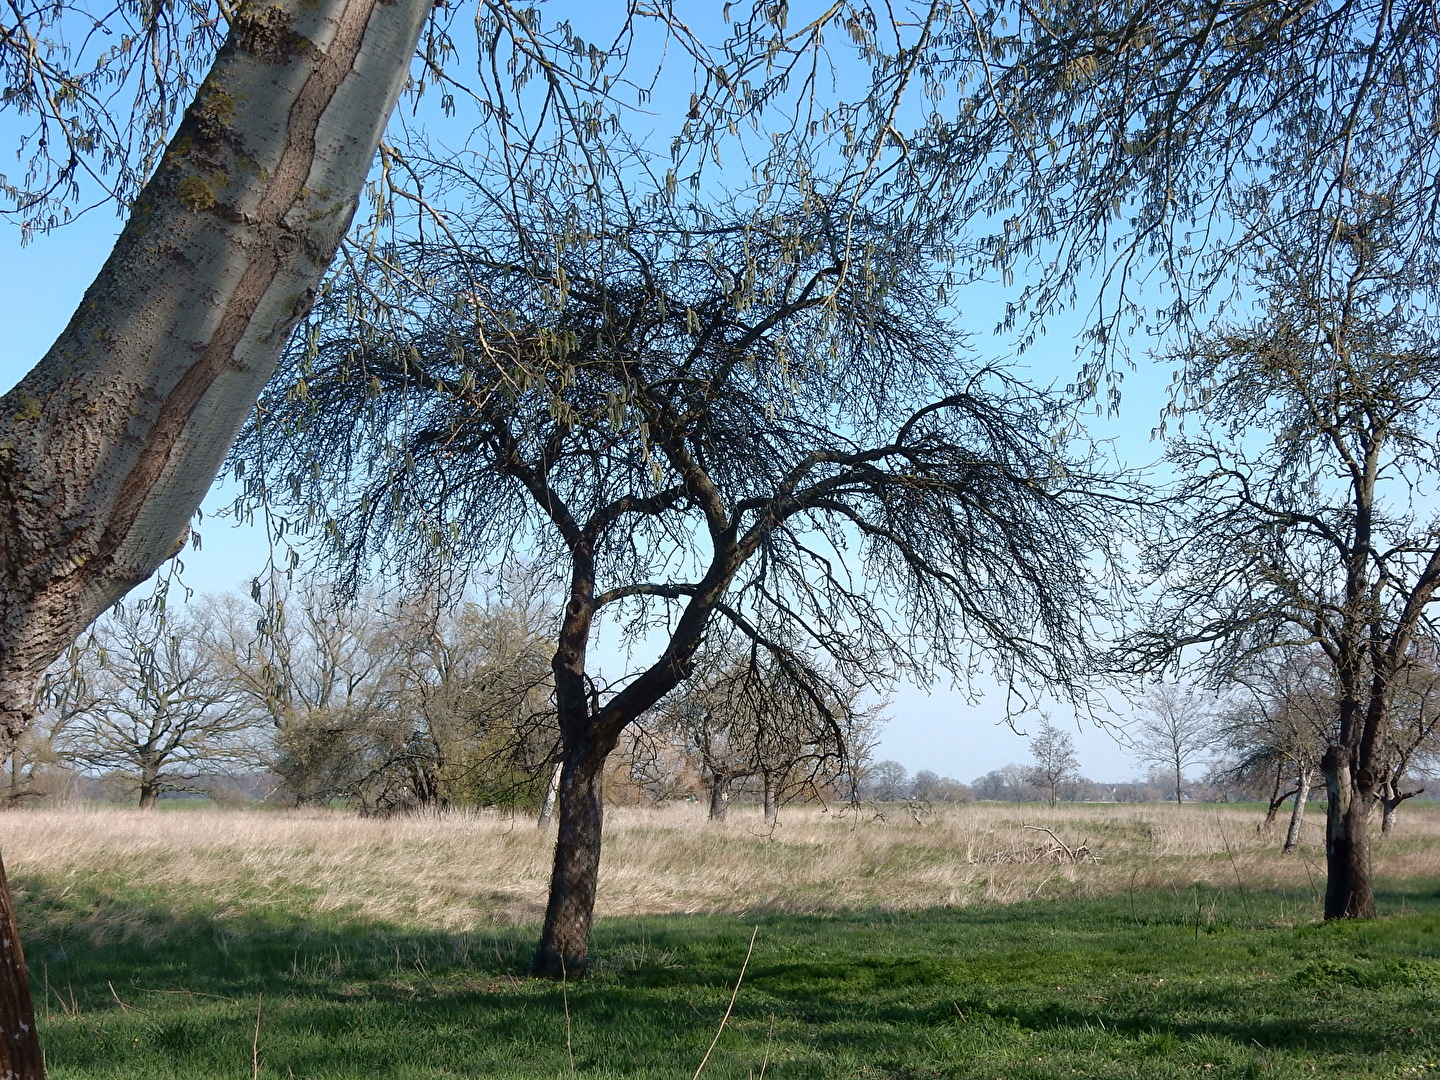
column 460, row 872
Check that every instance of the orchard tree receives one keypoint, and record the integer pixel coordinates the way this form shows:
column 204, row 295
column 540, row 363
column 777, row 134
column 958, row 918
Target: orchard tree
column 1282, row 724
column 1308, row 430
column 756, row 417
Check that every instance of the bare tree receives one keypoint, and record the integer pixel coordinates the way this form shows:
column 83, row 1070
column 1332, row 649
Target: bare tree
column 156, row 708
column 1055, row 760
column 1175, row 731
column 1413, row 743
column 1294, row 521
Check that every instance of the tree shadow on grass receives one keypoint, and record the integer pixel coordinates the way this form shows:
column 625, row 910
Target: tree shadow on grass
column 146, row 988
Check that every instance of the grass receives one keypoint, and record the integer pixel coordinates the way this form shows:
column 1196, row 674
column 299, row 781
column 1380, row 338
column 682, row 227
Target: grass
column 155, row 942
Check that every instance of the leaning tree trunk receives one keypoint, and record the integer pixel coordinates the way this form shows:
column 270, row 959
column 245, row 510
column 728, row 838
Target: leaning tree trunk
column 719, row 796
column 109, row 444
column 1276, row 801
column 1349, row 887
column 565, row 940
column 1297, row 812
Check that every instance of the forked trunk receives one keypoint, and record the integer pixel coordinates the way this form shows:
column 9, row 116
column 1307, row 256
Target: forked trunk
column 565, row 940
column 20, row 1057
column 719, row 796
column 552, row 791
column 1277, row 800
column 1297, row 812
column 771, row 800
column 1349, row 887
column 1390, row 799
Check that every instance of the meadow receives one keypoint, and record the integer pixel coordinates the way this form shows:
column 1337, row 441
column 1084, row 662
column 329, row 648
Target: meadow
column 199, row 943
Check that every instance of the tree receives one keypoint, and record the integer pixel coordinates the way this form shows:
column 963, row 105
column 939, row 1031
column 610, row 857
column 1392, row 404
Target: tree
column 887, row 781
column 1055, row 760
column 1293, row 522
column 1414, row 737
column 1175, row 731
column 688, row 448
column 1282, row 726
column 156, row 708
column 392, row 704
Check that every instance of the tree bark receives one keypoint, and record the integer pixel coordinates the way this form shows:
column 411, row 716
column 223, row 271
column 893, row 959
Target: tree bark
column 771, row 800
column 1349, row 887
column 552, row 789
column 108, row 445
column 565, row 939
column 1297, row 811
column 111, row 441
column 719, row 796
column 20, row 1056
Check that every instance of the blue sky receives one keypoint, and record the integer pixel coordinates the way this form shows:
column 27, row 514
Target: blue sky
column 935, row 728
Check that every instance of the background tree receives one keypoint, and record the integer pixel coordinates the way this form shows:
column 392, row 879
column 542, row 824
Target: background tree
column 1413, row 742
column 1281, row 726
column 156, row 708
column 1294, row 523
column 1055, row 760
column 1175, row 731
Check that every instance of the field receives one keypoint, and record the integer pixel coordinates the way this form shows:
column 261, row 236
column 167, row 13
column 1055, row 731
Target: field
column 210, row 944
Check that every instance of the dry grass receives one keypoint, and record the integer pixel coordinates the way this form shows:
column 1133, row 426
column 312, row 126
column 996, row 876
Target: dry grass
column 467, row 871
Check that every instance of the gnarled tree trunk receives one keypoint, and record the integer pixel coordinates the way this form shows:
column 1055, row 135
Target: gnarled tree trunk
column 565, row 940
column 719, row 795
column 109, row 444
column 1390, row 799
column 1349, row 887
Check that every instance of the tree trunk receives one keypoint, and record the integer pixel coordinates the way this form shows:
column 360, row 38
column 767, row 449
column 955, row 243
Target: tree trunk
column 565, row 940
column 148, row 795
column 719, row 796
column 1390, row 799
column 1349, row 888
column 20, row 1057
column 771, row 800
column 111, row 441
column 1277, row 800
column 552, row 789
column 1297, row 812
column 1179, row 786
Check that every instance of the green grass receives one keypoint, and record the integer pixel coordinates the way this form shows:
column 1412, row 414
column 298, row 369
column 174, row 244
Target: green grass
column 1192, row 983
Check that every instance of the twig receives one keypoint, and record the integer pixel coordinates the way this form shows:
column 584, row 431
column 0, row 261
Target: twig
column 116, row 996
column 255, row 1045
column 1041, row 828
column 565, row 1001
column 733, row 995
